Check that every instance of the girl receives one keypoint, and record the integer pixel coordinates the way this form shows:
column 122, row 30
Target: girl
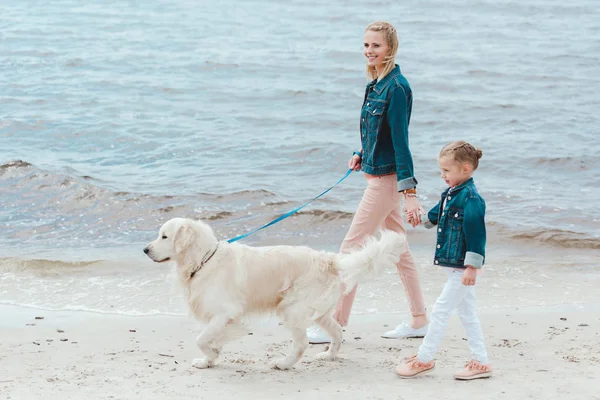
column 460, row 221
column 387, row 162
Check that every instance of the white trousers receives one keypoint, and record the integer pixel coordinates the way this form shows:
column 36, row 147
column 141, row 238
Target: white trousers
column 462, row 298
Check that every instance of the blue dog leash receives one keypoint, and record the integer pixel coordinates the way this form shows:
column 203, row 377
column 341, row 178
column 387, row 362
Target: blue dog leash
column 284, row 216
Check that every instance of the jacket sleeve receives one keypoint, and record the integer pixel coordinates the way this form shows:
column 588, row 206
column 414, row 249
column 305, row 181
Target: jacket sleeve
column 474, row 231
column 432, row 216
column 398, row 118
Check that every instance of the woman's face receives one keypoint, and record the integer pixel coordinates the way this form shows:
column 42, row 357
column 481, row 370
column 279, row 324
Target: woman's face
column 376, row 49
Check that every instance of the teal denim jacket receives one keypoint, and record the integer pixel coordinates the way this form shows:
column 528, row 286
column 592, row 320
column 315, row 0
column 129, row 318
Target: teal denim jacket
column 461, row 232
column 384, row 120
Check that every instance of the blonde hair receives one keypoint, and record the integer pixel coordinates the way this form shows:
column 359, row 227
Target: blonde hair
column 462, row 152
column 391, row 38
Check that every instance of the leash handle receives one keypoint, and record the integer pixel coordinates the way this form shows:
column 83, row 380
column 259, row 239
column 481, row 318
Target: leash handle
column 287, row 214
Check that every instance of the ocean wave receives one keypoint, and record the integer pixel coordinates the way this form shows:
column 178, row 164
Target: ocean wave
column 486, row 73
column 276, row 203
column 27, row 176
column 16, row 164
column 11, row 264
column 560, row 238
column 572, row 163
column 43, row 205
column 302, row 92
column 245, row 194
column 209, row 65
column 326, row 215
column 40, row 206
column 219, row 215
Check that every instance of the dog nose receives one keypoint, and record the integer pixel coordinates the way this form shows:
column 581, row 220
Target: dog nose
column 146, row 250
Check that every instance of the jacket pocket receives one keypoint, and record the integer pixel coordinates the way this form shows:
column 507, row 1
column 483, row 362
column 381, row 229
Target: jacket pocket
column 457, row 245
column 374, row 111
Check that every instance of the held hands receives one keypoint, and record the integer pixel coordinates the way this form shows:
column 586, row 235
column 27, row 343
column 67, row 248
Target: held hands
column 413, row 210
column 411, row 218
column 354, row 163
column 469, row 276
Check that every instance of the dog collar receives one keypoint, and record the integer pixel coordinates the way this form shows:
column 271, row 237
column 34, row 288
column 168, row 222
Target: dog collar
column 205, row 259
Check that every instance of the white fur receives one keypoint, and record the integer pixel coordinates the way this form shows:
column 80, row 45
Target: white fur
column 299, row 284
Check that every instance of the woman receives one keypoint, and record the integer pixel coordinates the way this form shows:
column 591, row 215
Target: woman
column 387, row 163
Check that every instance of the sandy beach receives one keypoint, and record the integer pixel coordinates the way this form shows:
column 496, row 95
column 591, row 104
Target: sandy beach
column 537, row 353
column 539, row 309
column 117, row 116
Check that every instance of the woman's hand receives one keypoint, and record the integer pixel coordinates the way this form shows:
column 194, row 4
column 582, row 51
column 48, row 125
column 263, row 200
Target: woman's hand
column 410, row 217
column 354, row 163
column 413, row 209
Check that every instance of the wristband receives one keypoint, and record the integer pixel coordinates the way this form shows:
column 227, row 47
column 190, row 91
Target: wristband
column 357, row 153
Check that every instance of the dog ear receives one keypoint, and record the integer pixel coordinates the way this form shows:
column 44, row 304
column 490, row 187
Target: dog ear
column 183, row 238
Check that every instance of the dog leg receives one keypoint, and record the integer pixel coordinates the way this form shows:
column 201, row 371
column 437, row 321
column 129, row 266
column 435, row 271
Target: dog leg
column 300, row 344
column 295, row 318
column 334, row 330
column 232, row 330
column 206, row 342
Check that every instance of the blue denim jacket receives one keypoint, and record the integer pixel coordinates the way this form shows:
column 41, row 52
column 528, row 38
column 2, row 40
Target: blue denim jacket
column 461, row 227
column 384, row 123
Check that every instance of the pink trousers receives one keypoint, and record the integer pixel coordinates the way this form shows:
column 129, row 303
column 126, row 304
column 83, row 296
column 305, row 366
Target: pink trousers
column 380, row 207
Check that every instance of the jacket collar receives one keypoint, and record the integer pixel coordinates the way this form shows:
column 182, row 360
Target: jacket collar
column 458, row 188
column 379, row 86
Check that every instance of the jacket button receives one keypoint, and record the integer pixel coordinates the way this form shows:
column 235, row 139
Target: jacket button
column 437, row 262
column 449, row 197
column 368, row 103
column 438, row 246
column 443, row 214
column 439, row 229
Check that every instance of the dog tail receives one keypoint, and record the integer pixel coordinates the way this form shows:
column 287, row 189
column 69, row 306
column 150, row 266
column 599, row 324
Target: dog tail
column 370, row 261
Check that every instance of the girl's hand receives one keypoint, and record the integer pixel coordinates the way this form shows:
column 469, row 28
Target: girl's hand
column 413, row 210
column 469, row 276
column 354, row 163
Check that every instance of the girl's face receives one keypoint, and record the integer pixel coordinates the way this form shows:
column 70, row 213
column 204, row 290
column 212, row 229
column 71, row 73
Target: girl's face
column 454, row 173
column 376, row 48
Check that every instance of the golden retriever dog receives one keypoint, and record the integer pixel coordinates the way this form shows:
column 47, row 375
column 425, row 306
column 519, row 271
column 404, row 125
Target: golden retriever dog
column 225, row 282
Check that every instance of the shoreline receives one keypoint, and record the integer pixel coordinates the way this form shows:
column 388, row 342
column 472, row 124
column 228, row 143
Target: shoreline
column 134, row 286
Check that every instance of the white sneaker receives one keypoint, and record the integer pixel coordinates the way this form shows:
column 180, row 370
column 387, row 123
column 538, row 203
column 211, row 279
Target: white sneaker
column 405, row 331
column 317, row 335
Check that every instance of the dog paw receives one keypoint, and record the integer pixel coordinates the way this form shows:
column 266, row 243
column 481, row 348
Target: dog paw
column 201, row 363
column 280, row 364
column 325, row 356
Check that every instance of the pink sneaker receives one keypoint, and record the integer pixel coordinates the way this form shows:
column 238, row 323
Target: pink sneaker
column 474, row 370
column 412, row 367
